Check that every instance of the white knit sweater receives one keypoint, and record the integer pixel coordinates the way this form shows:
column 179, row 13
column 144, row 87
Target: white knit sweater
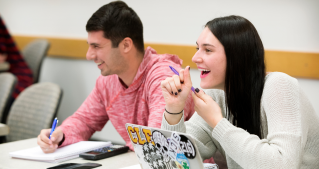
column 290, row 128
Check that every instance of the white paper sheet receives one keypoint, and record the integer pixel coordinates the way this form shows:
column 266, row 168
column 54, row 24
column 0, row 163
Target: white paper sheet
column 137, row 166
column 61, row 154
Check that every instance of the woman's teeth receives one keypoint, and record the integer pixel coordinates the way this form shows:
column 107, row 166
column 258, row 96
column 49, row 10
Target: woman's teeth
column 204, row 71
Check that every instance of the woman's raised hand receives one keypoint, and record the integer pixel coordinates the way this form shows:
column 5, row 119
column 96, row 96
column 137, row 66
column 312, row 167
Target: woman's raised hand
column 207, row 108
column 175, row 90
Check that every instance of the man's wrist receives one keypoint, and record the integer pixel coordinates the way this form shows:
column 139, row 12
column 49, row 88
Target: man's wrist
column 61, row 142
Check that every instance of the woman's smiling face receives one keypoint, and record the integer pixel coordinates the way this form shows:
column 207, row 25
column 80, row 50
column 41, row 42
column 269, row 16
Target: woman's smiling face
column 210, row 59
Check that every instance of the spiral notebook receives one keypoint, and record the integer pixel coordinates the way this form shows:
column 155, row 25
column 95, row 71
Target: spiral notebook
column 61, row 154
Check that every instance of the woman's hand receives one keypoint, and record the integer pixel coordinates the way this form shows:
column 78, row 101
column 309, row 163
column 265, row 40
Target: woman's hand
column 175, row 90
column 207, row 108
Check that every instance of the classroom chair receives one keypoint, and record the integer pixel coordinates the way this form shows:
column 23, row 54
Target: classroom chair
column 7, row 83
column 34, row 54
column 33, row 110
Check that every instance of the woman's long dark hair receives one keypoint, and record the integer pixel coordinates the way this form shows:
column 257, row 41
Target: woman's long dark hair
column 245, row 70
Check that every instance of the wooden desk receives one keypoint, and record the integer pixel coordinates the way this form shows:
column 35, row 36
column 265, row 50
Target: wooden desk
column 6, row 162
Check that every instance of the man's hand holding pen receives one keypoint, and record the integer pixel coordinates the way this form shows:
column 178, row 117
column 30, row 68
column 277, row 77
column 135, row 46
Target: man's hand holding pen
column 49, row 139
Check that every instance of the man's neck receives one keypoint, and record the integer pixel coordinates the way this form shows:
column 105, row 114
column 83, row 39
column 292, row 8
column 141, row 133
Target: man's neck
column 128, row 76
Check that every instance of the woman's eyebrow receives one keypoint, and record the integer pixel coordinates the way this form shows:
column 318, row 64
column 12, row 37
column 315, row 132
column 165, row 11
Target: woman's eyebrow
column 206, row 44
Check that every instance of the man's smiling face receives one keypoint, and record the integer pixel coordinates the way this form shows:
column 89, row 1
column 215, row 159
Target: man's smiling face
column 108, row 59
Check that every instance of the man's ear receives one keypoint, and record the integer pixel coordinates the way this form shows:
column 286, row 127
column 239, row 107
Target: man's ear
column 127, row 44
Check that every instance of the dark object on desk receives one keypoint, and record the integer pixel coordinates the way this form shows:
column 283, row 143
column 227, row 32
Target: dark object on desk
column 76, row 166
column 105, row 152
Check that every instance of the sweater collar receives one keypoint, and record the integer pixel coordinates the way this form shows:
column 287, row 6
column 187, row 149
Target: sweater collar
column 150, row 58
column 142, row 70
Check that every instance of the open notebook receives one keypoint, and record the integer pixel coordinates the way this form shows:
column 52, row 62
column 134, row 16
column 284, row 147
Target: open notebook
column 61, row 154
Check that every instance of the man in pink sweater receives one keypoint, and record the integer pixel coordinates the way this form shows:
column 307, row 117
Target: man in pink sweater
column 129, row 88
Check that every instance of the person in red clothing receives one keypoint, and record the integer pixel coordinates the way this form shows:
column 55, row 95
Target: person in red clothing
column 129, row 88
column 9, row 53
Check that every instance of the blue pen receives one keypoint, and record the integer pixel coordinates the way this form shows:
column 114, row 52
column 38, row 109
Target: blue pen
column 55, row 123
column 178, row 75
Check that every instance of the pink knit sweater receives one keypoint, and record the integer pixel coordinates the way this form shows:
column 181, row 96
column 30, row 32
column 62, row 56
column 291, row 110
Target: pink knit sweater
column 141, row 103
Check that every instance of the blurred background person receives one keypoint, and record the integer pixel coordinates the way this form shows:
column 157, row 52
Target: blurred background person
column 9, row 53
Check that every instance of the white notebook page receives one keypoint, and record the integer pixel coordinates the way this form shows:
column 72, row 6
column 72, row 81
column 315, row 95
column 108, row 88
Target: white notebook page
column 67, row 152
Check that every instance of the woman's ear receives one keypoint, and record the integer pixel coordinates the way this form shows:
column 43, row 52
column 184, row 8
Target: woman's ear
column 127, row 44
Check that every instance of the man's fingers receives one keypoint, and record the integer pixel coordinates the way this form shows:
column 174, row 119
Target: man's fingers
column 47, row 145
column 41, row 143
column 46, row 148
column 44, row 136
column 49, row 149
column 57, row 136
column 54, row 136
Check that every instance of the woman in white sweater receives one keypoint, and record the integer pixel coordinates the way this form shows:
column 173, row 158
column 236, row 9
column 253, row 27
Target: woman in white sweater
column 256, row 120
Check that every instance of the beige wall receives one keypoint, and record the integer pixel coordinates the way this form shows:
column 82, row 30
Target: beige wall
column 285, row 25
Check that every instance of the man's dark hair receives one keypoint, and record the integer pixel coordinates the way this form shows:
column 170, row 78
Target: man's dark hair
column 245, row 70
column 118, row 21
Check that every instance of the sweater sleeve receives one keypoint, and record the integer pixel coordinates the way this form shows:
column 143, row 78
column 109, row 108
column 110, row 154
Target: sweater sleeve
column 282, row 148
column 90, row 117
column 199, row 129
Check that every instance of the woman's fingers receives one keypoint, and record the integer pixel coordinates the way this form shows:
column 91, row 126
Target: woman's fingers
column 171, row 82
column 181, row 76
column 200, row 98
column 187, row 77
column 207, row 108
column 197, row 101
column 201, row 94
column 177, row 82
column 172, row 85
column 165, row 85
